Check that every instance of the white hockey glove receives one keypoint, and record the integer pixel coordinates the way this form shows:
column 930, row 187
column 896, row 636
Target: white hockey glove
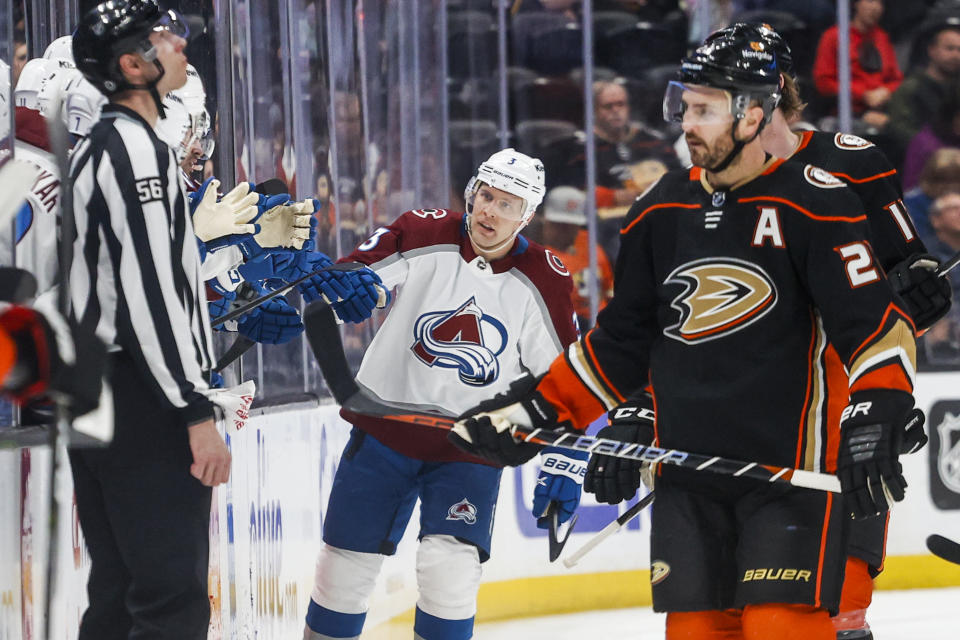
column 233, row 405
column 286, row 225
column 229, row 216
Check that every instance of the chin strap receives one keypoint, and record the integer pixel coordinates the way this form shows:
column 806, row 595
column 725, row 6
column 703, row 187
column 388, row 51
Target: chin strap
column 151, row 87
column 738, row 146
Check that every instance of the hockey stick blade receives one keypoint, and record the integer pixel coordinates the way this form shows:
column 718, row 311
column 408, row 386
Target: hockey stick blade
column 949, row 264
column 944, row 548
column 551, row 519
column 253, row 304
column 608, row 531
column 239, row 347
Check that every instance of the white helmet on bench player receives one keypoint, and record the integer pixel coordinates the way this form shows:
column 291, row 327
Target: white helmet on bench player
column 513, row 172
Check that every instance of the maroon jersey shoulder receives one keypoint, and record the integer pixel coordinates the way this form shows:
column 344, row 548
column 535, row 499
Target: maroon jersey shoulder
column 546, row 271
column 415, row 229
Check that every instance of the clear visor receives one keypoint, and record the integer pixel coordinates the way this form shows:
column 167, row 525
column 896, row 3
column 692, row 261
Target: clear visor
column 202, row 133
column 693, row 104
column 171, row 23
column 495, row 201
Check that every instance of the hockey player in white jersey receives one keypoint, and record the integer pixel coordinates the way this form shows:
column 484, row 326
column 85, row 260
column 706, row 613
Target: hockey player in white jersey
column 477, row 307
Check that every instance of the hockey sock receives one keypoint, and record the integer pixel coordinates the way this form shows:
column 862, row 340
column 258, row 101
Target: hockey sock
column 856, row 596
column 704, row 625
column 786, row 622
column 428, row 627
column 326, row 623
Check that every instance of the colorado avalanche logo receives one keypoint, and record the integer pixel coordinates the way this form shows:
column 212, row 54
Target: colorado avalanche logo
column 466, row 339
column 462, row 510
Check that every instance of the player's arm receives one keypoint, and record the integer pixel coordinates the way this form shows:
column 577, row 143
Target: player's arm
column 874, row 337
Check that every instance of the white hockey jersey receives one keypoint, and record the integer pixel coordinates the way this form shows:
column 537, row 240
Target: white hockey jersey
column 35, row 230
column 460, row 329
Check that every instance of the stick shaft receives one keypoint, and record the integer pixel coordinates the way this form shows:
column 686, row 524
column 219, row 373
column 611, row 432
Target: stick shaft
column 608, row 531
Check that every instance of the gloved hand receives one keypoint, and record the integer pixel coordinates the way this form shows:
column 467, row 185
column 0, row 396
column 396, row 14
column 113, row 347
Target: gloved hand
column 217, row 308
column 310, row 244
column 871, row 430
column 52, row 358
column 231, row 215
column 560, row 481
column 926, row 295
column 246, row 242
column 368, row 294
column 285, row 225
column 273, row 322
column 611, row 479
column 233, row 404
column 484, row 431
column 914, row 437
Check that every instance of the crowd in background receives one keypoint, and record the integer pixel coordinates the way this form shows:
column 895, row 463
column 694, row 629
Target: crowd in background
column 905, row 67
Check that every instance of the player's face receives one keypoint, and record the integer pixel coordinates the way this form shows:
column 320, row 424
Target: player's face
column 706, row 125
column 170, row 54
column 496, row 216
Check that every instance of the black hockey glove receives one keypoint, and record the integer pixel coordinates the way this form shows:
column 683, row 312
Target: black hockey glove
column 871, row 432
column 611, row 479
column 914, row 438
column 484, row 430
column 926, row 295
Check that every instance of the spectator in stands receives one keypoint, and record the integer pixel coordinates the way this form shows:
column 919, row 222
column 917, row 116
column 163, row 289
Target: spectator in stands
column 918, row 99
column 942, row 131
column 942, row 342
column 940, row 174
column 563, row 233
column 629, row 157
column 874, row 71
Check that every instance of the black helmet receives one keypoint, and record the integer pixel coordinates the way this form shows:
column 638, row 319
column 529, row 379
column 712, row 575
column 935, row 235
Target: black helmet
column 760, row 32
column 733, row 60
column 116, row 27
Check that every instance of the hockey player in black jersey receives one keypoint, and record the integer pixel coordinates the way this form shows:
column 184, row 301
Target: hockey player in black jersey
column 733, row 282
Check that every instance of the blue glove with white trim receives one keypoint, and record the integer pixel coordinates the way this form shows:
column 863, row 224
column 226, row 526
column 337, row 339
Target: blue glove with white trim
column 560, row 481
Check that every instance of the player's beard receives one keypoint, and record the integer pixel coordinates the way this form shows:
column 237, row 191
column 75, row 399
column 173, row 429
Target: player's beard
column 703, row 155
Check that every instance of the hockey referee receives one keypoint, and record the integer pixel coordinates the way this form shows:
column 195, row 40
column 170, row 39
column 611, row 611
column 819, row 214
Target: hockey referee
column 144, row 501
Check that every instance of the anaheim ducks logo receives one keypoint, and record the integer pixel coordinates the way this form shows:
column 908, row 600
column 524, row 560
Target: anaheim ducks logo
column 721, row 296
column 850, row 142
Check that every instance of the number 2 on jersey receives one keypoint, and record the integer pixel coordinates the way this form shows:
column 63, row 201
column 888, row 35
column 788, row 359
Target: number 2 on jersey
column 859, row 264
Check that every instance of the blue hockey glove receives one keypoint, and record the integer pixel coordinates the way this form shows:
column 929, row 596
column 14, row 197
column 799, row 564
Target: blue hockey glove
column 366, row 294
column 273, row 322
column 247, row 243
column 194, row 197
column 216, row 380
column 217, row 308
column 310, row 244
column 560, row 481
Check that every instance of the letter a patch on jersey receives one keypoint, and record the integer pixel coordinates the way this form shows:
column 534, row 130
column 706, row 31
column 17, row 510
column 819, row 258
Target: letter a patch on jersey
column 720, row 296
column 465, row 339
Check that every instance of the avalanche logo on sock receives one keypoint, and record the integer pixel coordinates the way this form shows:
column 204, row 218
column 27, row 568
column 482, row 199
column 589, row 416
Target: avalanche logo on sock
column 465, row 338
column 463, row 510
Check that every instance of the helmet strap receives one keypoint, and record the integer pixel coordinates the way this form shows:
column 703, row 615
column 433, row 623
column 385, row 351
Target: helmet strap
column 738, row 146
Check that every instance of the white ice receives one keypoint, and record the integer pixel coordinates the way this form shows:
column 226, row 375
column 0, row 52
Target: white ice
column 894, row 615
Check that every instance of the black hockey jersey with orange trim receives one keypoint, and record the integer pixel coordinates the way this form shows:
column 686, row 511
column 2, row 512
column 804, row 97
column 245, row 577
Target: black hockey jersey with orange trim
column 729, row 300
column 867, row 171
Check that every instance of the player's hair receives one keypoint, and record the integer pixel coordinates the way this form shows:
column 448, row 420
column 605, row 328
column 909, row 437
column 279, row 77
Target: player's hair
column 790, row 103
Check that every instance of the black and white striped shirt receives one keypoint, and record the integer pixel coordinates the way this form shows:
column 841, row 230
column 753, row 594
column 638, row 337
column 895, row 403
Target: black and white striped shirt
column 135, row 278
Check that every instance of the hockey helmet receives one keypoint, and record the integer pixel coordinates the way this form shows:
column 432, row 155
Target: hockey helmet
column 60, row 49
column 733, row 61
column 28, row 84
column 761, row 32
column 52, row 93
column 83, row 104
column 187, row 118
column 116, row 27
column 513, row 172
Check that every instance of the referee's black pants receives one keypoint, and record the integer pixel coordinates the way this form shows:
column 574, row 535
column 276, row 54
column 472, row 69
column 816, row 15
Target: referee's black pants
column 145, row 520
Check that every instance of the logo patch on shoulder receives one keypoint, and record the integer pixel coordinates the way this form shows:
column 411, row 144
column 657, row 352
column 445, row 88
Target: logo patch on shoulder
column 463, row 510
column 821, row 177
column 850, row 142
column 720, row 297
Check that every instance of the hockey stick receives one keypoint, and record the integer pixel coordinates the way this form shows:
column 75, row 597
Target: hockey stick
column 324, row 338
column 551, row 519
column 608, row 531
column 944, row 548
column 253, row 304
column 948, row 265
